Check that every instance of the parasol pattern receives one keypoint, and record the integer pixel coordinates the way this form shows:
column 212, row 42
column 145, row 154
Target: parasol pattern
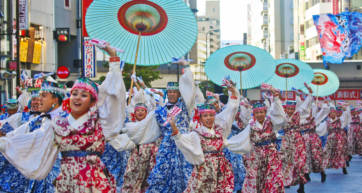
column 256, row 65
column 168, row 28
column 324, row 83
column 290, row 73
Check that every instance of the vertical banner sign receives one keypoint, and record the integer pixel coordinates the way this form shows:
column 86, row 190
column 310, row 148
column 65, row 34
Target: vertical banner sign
column 335, row 6
column 23, row 14
column 89, row 59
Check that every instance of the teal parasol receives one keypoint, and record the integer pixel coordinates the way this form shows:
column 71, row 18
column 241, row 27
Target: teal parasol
column 249, row 66
column 324, row 83
column 290, row 73
column 159, row 29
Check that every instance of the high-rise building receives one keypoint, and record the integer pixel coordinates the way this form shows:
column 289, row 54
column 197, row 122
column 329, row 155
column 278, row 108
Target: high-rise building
column 208, row 40
column 270, row 26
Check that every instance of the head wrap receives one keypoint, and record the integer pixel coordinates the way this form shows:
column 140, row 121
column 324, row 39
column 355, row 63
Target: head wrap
column 211, row 100
column 88, row 85
column 12, row 104
column 52, row 87
column 290, row 104
column 172, row 86
column 258, row 105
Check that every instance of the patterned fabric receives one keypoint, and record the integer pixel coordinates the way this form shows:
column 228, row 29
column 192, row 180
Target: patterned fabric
column 263, row 165
column 215, row 174
column 4, row 116
column 116, row 163
column 237, row 163
column 82, row 174
column 11, row 179
column 339, row 35
column 171, row 171
column 140, row 164
column 313, row 147
column 335, row 151
column 14, row 181
column 293, row 152
column 355, row 136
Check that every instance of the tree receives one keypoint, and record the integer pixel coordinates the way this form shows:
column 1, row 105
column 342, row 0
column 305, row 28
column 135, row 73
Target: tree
column 148, row 73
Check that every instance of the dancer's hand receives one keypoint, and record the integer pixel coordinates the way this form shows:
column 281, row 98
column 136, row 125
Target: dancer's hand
column 173, row 126
column 182, row 62
column 275, row 93
column 110, row 50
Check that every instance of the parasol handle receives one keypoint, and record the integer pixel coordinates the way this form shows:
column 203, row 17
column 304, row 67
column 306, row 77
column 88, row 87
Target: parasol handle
column 317, row 94
column 134, row 68
column 286, row 89
column 241, row 83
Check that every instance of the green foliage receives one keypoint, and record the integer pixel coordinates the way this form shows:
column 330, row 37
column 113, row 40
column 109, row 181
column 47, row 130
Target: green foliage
column 148, row 73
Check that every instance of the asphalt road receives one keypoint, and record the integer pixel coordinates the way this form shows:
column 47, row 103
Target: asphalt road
column 336, row 181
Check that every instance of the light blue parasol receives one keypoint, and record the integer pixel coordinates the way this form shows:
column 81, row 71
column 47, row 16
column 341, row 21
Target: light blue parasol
column 249, row 66
column 159, row 29
column 324, row 83
column 290, row 73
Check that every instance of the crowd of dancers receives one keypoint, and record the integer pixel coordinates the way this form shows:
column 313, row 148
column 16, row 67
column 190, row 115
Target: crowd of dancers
column 92, row 139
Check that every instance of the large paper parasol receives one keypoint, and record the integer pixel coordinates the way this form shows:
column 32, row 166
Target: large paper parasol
column 168, row 28
column 290, row 73
column 324, row 83
column 248, row 65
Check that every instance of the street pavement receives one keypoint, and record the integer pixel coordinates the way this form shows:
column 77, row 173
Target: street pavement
column 336, row 181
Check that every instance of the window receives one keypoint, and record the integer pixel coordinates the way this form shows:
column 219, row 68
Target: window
column 67, row 4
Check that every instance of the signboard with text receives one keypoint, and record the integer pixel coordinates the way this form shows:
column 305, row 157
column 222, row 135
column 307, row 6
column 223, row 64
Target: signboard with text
column 23, row 14
column 347, row 94
column 89, row 59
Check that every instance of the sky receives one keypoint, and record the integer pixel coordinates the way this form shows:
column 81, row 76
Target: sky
column 232, row 18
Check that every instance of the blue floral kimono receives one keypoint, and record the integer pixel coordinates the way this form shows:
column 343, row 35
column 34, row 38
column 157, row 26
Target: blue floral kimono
column 236, row 161
column 171, row 171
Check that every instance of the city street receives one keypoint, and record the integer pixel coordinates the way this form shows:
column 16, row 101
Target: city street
column 336, row 181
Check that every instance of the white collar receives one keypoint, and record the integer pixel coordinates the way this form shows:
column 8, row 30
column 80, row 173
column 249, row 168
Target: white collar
column 76, row 123
column 55, row 112
column 207, row 130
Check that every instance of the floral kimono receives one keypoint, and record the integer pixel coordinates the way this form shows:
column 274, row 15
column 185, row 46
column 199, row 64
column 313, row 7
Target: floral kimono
column 262, row 160
column 312, row 141
column 293, row 149
column 355, row 136
column 335, row 151
column 171, row 172
column 203, row 148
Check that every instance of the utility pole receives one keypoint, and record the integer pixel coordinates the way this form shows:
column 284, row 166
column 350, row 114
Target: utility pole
column 17, row 44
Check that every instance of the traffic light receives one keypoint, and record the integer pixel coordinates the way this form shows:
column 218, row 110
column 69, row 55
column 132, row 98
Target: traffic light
column 62, row 34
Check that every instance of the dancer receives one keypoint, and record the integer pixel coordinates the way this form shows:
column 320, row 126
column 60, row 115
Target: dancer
column 171, row 171
column 80, row 137
column 258, row 142
column 335, row 151
column 143, row 156
column 355, row 133
column 312, row 141
column 293, row 149
column 203, row 147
